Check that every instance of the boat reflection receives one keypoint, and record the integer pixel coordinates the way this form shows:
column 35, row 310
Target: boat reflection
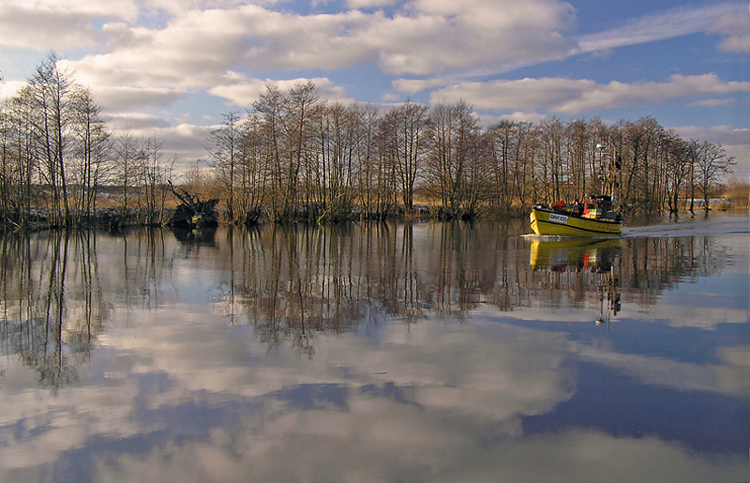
column 584, row 255
column 574, row 254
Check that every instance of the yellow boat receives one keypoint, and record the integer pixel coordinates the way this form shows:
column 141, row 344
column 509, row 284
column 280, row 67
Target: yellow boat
column 594, row 218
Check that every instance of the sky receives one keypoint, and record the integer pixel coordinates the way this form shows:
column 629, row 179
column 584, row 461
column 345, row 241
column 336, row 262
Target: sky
column 171, row 68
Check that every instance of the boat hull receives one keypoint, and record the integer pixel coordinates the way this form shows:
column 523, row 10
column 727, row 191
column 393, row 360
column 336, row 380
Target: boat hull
column 548, row 222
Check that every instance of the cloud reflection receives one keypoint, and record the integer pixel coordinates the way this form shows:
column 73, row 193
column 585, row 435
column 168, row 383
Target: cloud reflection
column 427, row 364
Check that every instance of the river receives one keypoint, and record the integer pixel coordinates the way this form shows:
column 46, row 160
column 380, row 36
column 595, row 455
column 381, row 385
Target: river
column 377, row 353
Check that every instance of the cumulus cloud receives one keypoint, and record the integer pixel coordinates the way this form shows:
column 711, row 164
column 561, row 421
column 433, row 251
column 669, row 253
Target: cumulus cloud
column 117, row 98
column 716, row 134
column 365, row 4
column 413, row 86
column 59, row 23
column 242, row 91
column 182, row 142
column 517, row 116
column 195, row 47
column 715, row 102
column 10, row 89
column 574, row 96
column 436, row 36
column 735, row 141
column 735, row 28
column 137, row 122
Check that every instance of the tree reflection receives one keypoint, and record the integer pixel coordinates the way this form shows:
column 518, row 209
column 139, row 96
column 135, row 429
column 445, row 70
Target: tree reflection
column 52, row 305
column 294, row 283
column 298, row 281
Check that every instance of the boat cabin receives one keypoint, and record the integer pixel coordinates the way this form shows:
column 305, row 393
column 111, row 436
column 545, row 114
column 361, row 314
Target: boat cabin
column 596, row 207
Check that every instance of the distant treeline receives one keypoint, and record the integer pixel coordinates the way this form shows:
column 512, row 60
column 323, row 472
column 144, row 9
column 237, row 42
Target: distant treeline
column 295, row 157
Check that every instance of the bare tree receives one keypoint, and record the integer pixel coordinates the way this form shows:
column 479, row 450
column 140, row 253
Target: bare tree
column 336, row 169
column 126, row 161
column 300, row 127
column 155, row 174
column 453, row 135
column 49, row 90
column 678, row 165
column 18, row 162
column 271, row 109
column 226, row 152
column 92, row 147
column 712, row 162
column 553, row 174
column 254, row 170
column 407, row 124
column 369, row 176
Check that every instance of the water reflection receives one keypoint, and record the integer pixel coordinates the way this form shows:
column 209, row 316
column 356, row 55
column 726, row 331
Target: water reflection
column 292, row 283
column 52, row 307
column 578, row 255
column 372, row 353
column 575, row 254
column 200, row 236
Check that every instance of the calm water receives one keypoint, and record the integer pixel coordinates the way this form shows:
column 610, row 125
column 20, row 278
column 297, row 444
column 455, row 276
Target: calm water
column 377, row 353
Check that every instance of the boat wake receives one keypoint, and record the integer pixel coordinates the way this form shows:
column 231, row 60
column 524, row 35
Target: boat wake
column 717, row 225
column 722, row 225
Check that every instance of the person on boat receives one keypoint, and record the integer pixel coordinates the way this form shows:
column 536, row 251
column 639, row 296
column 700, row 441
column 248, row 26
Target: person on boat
column 578, row 207
column 558, row 206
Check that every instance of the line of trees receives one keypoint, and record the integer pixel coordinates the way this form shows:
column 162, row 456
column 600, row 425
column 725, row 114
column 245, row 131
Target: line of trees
column 295, row 157
column 58, row 158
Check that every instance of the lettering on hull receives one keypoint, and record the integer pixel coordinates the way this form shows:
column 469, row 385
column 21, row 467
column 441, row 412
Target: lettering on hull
column 558, row 218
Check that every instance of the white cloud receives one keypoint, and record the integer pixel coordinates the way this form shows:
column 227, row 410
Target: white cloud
column 735, row 27
column 194, row 48
column 521, row 95
column 10, row 89
column 413, row 86
column 618, row 94
column 59, row 24
column 570, row 96
column 185, row 142
column 716, row 134
column 715, row 102
column 242, row 91
column 117, row 98
column 736, row 144
column 436, row 36
column 665, row 25
column 137, row 122
column 365, row 4
column 171, row 49
column 517, row 116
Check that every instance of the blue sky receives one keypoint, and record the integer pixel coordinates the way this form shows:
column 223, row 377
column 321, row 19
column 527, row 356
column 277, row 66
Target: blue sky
column 172, row 67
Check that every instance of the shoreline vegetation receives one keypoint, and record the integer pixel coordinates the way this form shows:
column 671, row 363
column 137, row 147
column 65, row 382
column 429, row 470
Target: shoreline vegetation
column 296, row 158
